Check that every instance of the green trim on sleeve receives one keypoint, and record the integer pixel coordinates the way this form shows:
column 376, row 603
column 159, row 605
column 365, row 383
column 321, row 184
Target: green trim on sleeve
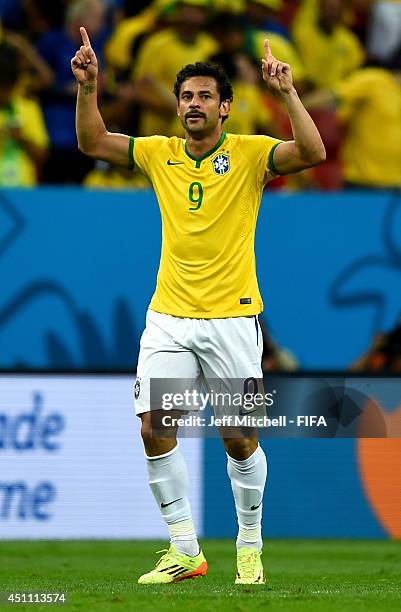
column 270, row 161
column 131, row 153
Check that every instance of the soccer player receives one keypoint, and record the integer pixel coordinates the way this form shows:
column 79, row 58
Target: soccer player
column 203, row 316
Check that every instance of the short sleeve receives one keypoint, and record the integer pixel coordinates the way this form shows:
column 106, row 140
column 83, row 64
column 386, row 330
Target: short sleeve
column 353, row 91
column 142, row 152
column 260, row 150
column 355, row 87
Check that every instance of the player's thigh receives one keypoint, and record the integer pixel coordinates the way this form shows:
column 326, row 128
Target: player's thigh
column 233, row 349
column 162, row 357
column 231, row 364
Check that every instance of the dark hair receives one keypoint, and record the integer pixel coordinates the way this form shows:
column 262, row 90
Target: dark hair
column 9, row 65
column 205, row 69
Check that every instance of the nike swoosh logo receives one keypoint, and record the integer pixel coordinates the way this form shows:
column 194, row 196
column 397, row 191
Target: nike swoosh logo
column 172, row 502
column 170, row 163
column 255, row 507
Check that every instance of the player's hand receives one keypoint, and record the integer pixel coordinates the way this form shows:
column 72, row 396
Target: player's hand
column 277, row 75
column 84, row 63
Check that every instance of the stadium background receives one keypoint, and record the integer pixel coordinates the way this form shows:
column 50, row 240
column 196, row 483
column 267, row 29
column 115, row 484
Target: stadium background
column 79, row 248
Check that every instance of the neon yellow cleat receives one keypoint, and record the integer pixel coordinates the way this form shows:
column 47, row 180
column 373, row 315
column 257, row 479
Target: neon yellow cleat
column 174, row 567
column 249, row 566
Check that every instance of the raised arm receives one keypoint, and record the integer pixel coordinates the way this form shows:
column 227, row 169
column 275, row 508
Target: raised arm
column 307, row 148
column 93, row 137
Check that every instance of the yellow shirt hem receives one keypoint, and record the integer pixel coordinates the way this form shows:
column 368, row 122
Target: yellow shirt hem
column 206, row 315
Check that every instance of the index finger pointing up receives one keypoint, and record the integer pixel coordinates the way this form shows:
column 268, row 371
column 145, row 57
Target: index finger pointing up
column 266, row 45
column 85, row 37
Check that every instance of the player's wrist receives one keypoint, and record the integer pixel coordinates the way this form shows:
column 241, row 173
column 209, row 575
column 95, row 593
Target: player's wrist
column 291, row 93
column 88, row 87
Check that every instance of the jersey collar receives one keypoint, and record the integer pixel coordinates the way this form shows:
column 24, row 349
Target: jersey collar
column 199, row 160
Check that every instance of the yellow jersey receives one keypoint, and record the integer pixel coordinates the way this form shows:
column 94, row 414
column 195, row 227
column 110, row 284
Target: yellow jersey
column 369, row 102
column 118, row 47
column 249, row 114
column 327, row 58
column 17, row 169
column 209, row 208
column 115, row 178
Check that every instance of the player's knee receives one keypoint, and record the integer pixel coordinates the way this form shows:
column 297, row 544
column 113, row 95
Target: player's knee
column 150, row 443
column 240, row 448
column 155, row 445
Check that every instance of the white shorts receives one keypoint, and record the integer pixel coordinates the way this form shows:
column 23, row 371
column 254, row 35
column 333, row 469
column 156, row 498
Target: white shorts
column 196, row 349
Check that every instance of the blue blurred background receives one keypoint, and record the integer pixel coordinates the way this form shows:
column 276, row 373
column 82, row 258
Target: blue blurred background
column 78, row 269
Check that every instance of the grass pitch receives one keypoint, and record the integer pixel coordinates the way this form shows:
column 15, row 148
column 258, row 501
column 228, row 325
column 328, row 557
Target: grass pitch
column 303, row 575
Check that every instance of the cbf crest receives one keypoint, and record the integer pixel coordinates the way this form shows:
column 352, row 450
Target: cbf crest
column 221, row 163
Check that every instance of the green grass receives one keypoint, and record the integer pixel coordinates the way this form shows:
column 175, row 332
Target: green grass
column 302, row 575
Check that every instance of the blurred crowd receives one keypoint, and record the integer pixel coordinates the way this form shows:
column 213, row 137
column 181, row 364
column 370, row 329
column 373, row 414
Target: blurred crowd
column 345, row 58
column 383, row 356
